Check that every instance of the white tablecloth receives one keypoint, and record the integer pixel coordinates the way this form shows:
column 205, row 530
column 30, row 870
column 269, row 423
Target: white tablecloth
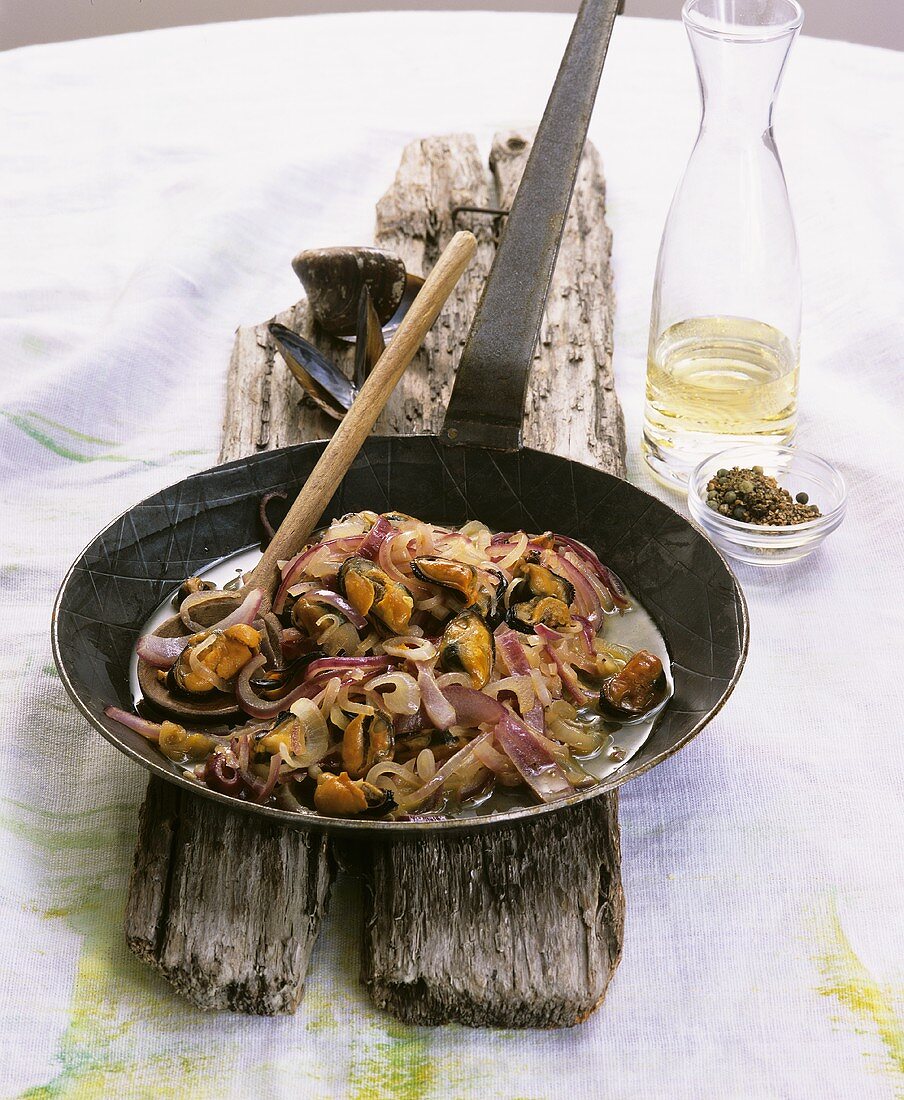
column 762, row 864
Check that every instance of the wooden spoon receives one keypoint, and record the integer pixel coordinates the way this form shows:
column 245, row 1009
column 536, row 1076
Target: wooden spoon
column 342, row 449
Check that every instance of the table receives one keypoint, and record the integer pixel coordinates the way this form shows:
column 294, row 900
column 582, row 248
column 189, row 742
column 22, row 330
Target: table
column 762, row 864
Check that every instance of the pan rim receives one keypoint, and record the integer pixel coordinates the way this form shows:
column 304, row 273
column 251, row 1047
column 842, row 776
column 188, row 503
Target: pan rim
column 375, row 828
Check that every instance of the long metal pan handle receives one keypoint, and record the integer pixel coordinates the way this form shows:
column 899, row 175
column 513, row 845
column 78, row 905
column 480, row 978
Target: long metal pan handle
column 487, row 402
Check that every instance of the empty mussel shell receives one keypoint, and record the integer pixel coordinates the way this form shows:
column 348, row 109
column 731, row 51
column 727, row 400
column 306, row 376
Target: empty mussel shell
column 333, row 278
column 322, row 380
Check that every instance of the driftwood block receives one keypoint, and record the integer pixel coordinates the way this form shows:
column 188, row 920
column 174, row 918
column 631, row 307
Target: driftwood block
column 516, row 926
column 225, row 906
column 520, row 928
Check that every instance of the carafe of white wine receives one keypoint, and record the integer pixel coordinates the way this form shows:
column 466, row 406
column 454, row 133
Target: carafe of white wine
column 725, row 323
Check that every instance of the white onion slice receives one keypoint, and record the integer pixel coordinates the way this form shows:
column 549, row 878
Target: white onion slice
column 410, row 647
column 404, row 696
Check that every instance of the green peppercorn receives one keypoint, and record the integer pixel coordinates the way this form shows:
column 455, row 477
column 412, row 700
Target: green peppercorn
column 722, row 472
column 802, row 498
column 739, row 513
column 713, row 503
column 730, row 497
column 757, row 469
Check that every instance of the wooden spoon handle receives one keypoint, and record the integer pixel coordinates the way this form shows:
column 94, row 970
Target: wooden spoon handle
column 342, row 449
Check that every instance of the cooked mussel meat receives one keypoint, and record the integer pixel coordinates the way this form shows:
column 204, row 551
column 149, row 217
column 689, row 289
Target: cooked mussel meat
column 468, row 646
column 371, row 592
column 333, row 279
column 342, row 796
column 368, row 739
column 545, row 597
column 457, row 576
column 183, row 745
column 212, row 659
column 637, row 689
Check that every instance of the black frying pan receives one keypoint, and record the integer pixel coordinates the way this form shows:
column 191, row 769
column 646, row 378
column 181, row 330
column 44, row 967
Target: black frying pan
column 476, row 469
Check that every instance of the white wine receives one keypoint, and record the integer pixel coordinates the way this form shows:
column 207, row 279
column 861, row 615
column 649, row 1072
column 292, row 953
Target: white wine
column 713, row 382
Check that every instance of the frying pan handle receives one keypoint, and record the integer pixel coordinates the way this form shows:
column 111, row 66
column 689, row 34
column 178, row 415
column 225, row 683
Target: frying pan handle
column 487, row 402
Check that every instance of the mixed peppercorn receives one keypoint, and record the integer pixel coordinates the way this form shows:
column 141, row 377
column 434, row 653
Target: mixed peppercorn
column 753, row 497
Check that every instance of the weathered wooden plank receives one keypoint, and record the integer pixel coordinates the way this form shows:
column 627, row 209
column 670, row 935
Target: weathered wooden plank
column 551, row 890
column 227, row 908
column 518, row 928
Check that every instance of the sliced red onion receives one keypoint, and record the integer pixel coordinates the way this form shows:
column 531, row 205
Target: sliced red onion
column 510, row 647
column 367, row 664
column 566, row 673
column 295, row 567
column 440, row 711
column 384, row 558
column 333, row 599
column 245, row 613
column 536, row 718
column 472, row 707
column 374, row 538
column 160, row 652
column 533, row 760
column 150, row 730
column 496, row 761
column 222, row 773
column 585, row 597
column 452, row 765
column 613, row 585
column 587, row 633
column 258, row 707
column 264, row 793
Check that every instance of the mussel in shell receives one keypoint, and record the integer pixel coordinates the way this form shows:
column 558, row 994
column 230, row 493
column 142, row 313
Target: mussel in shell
column 342, row 796
column 468, row 646
column 334, row 633
column 371, row 592
column 545, row 598
column 455, row 575
column 212, row 659
column 639, row 688
column 213, row 706
column 334, row 277
column 368, row 739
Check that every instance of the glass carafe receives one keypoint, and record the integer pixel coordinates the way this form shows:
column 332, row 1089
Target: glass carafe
column 725, row 323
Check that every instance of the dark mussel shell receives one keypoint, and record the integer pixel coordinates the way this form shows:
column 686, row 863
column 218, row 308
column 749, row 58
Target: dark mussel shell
column 333, row 279
column 458, row 576
column 637, row 690
column 369, row 342
column 320, row 378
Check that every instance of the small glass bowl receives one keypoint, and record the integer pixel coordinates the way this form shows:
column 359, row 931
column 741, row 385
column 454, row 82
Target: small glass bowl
column 795, row 470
